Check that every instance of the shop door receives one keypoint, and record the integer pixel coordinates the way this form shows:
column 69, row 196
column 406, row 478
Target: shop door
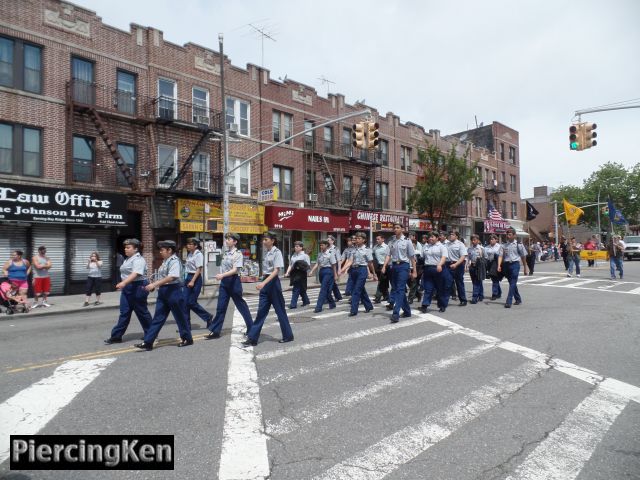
column 53, row 237
column 84, row 241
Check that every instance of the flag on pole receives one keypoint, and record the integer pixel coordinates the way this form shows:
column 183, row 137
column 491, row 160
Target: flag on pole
column 531, row 212
column 571, row 212
column 493, row 214
column 615, row 216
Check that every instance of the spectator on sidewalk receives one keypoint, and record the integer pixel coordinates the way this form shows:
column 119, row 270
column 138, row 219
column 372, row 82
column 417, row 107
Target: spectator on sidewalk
column 41, row 278
column 10, row 298
column 17, row 270
column 94, row 279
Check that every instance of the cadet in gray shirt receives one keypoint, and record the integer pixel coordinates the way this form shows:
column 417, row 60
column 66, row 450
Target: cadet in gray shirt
column 401, row 257
column 511, row 253
column 361, row 263
column 298, row 267
column 335, row 290
column 380, row 252
column 457, row 255
column 193, row 283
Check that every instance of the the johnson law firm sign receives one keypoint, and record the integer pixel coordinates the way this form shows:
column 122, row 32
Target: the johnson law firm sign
column 26, row 203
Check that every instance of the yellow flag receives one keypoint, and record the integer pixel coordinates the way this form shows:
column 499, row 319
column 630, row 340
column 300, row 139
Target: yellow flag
column 572, row 212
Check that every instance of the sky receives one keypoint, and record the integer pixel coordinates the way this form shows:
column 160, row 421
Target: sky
column 440, row 64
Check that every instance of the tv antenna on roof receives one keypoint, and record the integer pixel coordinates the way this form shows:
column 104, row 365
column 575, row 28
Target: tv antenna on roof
column 264, row 34
column 327, row 82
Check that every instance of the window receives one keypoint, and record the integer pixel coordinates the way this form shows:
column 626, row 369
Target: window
column 201, row 172
column 167, row 165
column 129, row 155
column 502, row 151
column 384, row 152
column 347, row 185
column 238, row 114
column 512, row 155
column 276, row 125
column 364, row 191
column 167, row 99
column 20, row 150
column 514, row 210
column 503, row 178
column 20, row 65
column 82, row 80
column 328, row 140
column 328, row 183
column 404, row 198
column 308, row 136
column 200, row 102
column 478, row 207
column 504, row 209
column 345, row 143
column 405, row 159
column 512, row 183
column 126, row 92
column 382, row 195
column 311, row 181
column 83, row 158
column 282, row 126
column 239, row 181
column 282, row 178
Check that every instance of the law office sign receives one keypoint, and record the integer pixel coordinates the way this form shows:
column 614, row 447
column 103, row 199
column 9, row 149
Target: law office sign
column 35, row 204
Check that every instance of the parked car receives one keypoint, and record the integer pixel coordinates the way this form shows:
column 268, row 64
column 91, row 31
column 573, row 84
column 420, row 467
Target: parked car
column 632, row 247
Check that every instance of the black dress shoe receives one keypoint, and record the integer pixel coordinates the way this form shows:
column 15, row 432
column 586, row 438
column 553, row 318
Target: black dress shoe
column 518, row 302
column 389, row 306
column 368, row 309
column 305, row 304
column 286, row 340
column 473, row 302
column 395, row 318
column 144, row 346
column 249, row 343
column 111, row 340
column 317, row 311
column 212, row 335
column 463, row 303
column 494, row 298
column 442, row 309
column 377, row 300
column 351, row 314
column 186, row 343
column 507, row 305
column 424, row 309
column 292, row 308
column 405, row 315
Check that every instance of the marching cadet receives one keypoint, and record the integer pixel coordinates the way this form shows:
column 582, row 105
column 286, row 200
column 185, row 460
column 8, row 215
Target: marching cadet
column 299, row 265
column 401, row 257
column 346, row 255
column 270, row 293
column 477, row 268
column 457, row 255
column 193, row 283
column 361, row 263
column 170, row 298
column 230, row 287
column 492, row 252
column 327, row 272
column 435, row 257
column 414, row 283
column 335, row 290
column 380, row 251
column 133, row 296
column 511, row 253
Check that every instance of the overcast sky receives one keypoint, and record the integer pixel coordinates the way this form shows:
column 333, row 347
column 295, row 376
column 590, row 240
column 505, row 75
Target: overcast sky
column 527, row 64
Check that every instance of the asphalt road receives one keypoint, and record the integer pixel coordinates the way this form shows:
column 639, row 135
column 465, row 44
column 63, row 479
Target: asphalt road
column 546, row 389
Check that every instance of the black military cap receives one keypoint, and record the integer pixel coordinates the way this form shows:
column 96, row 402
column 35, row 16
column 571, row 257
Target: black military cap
column 235, row 236
column 167, row 244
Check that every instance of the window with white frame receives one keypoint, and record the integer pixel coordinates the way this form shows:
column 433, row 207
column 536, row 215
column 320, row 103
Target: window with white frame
column 167, row 99
column 201, row 171
column 382, row 195
column 513, row 183
column 129, row 155
column 282, row 126
column 404, row 198
column 384, row 152
column 328, row 140
column 405, row 158
column 200, row 102
column 237, row 113
column 512, row 155
column 479, row 207
column 514, row 210
column 239, row 181
column 167, row 165
column 283, row 177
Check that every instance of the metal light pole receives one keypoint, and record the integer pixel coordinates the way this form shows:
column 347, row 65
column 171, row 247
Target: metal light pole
column 225, row 145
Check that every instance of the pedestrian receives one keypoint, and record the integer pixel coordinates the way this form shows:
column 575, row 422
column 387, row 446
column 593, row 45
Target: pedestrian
column 380, row 252
column 492, row 252
column 564, row 252
column 414, row 283
column 616, row 253
column 574, row 257
column 433, row 277
column 590, row 245
column 457, row 256
column 361, row 263
column 94, row 279
column 17, row 269
column 171, row 298
column 532, row 256
column 344, row 258
column 11, row 299
column 299, row 265
column 230, row 287
column 401, row 259
column 326, row 266
column 270, row 293
column 41, row 264
column 133, row 296
column 335, row 290
column 194, row 266
column 511, row 253
column 477, row 268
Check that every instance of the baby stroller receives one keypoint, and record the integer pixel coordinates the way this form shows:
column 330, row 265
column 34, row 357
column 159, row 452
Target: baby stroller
column 10, row 305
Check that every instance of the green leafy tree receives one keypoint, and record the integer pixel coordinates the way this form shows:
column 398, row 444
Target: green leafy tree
column 446, row 181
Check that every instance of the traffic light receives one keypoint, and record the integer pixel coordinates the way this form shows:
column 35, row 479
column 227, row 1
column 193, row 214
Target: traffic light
column 588, row 135
column 575, row 143
column 358, row 134
column 372, row 135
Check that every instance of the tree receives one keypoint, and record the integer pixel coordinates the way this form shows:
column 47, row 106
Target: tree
column 446, row 181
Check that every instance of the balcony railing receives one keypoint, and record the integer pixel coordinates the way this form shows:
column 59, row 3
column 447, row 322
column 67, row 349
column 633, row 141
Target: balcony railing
column 495, row 186
column 460, row 211
column 195, row 181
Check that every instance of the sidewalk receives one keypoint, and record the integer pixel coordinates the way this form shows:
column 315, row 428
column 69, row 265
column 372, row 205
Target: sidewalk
column 62, row 304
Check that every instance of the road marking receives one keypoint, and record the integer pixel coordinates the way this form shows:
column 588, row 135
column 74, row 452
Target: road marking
column 244, row 444
column 563, row 454
column 336, row 314
column 555, row 282
column 28, row 411
column 635, row 291
column 342, row 338
column 370, row 391
column 395, row 450
column 531, row 279
column 284, row 377
column 589, row 376
column 583, row 282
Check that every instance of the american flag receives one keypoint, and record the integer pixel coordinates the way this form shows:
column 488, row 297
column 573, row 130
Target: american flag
column 493, row 214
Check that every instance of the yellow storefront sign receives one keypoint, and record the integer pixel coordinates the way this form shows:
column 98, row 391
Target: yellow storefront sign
column 189, row 226
column 594, row 255
column 243, row 217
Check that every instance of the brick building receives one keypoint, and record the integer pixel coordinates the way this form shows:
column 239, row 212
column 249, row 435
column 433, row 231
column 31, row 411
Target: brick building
column 129, row 124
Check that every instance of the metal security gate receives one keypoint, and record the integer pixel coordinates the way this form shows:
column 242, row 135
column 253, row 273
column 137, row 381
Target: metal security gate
column 52, row 237
column 85, row 241
column 12, row 238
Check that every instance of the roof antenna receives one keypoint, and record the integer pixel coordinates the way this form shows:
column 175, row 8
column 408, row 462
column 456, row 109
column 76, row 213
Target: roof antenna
column 261, row 31
column 327, row 82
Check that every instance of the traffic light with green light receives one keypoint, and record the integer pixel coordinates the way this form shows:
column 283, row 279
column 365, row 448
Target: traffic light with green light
column 574, row 141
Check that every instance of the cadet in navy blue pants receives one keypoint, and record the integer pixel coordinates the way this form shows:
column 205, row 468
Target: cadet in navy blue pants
column 193, row 283
column 327, row 265
column 361, row 263
column 511, row 254
column 270, row 293
column 133, row 296
column 402, row 257
column 230, row 287
column 435, row 256
column 170, row 298
column 336, row 254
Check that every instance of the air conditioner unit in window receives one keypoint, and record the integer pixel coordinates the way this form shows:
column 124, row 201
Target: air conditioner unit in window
column 365, row 202
column 233, row 128
column 202, row 185
column 231, row 188
column 201, row 119
column 313, row 197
